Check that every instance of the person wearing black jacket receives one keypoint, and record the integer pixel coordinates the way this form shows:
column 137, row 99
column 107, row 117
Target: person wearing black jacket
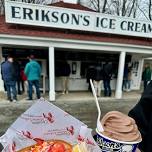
column 90, row 75
column 97, row 80
column 107, row 74
column 2, row 75
column 142, row 113
column 65, row 73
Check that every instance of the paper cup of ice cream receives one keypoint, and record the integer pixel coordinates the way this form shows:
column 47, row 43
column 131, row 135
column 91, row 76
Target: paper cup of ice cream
column 120, row 133
column 111, row 145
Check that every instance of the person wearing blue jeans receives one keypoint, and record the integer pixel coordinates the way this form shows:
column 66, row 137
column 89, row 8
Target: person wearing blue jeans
column 11, row 88
column 107, row 74
column 127, row 78
column 126, row 85
column 33, row 73
column 107, row 87
column 9, row 77
column 36, row 84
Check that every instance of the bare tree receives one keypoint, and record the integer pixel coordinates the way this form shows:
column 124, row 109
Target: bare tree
column 126, row 8
column 150, row 10
column 37, row 1
column 145, row 10
column 2, row 6
column 94, row 4
column 104, row 6
column 129, row 8
column 114, row 7
column 133, row 9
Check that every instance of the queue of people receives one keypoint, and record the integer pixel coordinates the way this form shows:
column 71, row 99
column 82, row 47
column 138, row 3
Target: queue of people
column 97, row 74
column 127, row 77
column 18, row 79
column 14, row 75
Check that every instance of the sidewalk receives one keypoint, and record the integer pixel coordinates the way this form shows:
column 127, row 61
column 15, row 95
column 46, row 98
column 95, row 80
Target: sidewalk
column 76, row 97
column 87, row 97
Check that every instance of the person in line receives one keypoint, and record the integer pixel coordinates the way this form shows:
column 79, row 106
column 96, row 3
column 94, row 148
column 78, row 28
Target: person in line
column 97, row 81
column 2, row 75
column 17, row 68
column 146, row 76
column 24, row 82
column 142, row 114
column 107, row 74
column 65, row 72
column 90, row 75
column 33, row 72
column 9, row 77
column 127, row 78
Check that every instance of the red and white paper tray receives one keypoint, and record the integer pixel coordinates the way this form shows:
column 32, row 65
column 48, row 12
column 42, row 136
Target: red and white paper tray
column 43, row 120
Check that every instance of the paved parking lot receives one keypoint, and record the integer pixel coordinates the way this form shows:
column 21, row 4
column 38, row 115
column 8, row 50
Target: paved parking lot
column 80, row 105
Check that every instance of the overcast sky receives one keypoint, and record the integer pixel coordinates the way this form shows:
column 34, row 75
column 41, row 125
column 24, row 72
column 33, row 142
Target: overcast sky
column 70, row 1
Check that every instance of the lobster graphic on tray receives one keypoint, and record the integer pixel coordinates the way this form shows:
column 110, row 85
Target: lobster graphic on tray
column 49, row 117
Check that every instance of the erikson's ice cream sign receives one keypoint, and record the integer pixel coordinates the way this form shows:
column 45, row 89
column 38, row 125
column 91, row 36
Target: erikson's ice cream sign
column 57, row 17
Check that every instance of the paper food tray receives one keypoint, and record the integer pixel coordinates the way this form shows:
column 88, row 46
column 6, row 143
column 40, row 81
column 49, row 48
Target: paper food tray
column 43, row 120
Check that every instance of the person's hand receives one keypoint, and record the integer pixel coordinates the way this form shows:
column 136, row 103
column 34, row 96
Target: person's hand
column 137, row 150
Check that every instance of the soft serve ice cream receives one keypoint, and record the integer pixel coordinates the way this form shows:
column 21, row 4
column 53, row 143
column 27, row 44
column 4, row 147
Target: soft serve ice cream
column 120, row 127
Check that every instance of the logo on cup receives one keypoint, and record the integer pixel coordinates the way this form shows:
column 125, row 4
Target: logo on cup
column 108, row 146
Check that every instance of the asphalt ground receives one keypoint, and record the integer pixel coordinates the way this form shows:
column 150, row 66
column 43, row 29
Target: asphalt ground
column 84, row 110
column 81, row 105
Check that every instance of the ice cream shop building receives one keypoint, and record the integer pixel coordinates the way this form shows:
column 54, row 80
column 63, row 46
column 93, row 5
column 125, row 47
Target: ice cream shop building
column 76, row 34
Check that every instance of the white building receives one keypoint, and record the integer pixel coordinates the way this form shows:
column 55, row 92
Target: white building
column 77, row 34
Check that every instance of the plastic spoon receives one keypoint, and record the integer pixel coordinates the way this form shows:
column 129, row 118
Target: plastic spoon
column 99, row 125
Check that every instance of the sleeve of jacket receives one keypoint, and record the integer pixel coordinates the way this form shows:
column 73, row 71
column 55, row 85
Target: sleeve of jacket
column 26, row 70
column 142, row 113
column 39, row 69
column 2, row 70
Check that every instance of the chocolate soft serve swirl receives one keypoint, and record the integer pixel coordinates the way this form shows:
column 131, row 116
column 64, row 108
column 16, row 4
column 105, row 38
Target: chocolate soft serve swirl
column 121, row 127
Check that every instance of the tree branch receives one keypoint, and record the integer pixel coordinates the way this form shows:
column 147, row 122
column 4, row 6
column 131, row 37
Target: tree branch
column 149, row 8
column 143, row 12
column 133, row 5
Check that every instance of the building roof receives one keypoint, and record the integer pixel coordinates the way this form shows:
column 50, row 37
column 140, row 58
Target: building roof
column 26, row 30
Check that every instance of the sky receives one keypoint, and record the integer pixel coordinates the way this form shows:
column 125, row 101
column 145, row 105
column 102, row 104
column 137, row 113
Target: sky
column 70, row 1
